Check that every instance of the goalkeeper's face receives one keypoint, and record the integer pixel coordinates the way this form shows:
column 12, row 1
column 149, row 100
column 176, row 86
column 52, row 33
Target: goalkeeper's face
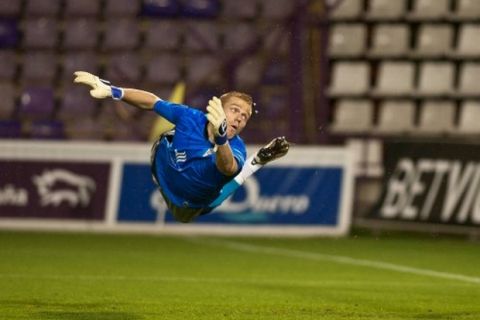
column 238, row 113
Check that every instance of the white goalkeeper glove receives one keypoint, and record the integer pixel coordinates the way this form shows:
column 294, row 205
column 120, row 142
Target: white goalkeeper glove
column 216, row 116
column 101, row 89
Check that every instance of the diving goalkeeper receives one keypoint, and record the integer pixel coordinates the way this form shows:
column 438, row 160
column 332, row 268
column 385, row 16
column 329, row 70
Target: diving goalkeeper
column 202, row 161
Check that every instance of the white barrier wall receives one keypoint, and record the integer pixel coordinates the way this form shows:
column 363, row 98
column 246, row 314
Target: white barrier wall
column 108, row 187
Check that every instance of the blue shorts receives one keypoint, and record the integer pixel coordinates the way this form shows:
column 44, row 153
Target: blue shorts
column 181, row 214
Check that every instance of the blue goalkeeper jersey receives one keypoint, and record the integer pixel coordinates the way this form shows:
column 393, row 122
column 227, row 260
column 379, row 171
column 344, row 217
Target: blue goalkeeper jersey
column 185, row 166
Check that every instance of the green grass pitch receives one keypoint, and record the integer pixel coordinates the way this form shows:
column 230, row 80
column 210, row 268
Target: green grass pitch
column 82, row 276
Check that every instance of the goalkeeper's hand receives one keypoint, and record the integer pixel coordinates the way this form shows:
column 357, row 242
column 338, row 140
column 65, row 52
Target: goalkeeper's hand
column 216, row 116
column 275, row 149
column 101, row 89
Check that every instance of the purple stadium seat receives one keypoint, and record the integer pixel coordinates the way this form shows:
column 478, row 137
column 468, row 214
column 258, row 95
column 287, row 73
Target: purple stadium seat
column 78, row 61
column 273, row 105
column 201, row 8
column 277, row 9
column 124, row 68
column 8, row 65
column 248, row 72
column 119, row 122
column 47, row 129
column 121, row 34
column 239, row 36
column 122, row 8
column 124, row 131
column 204, row 69
column 82, row 8
column 8, row 34
column 276, row 39
column 36, row 103
column 256, row 135
column 40, row 67
column 10, row 129
column 144, row 124
column 76, row 103
column 84, row 128
column 160, row 8
column 44, row 8
column 7, row 104
column 163, row 34
column 276, row 72
column 80, row 34
column 40, row 34
column 202, row 36
column 240, row 9
column 163, row 68
column 10, row 8
column 199, row 99
column 108, row 111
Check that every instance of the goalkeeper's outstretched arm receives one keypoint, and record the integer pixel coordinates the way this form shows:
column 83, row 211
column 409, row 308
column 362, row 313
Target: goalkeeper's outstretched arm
column 139, row 98
column 101, row 89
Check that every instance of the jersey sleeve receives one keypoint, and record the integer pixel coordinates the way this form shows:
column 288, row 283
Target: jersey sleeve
column 239, row 152
column 169, row 110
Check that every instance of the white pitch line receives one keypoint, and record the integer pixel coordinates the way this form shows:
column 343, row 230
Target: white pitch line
column 239, row 246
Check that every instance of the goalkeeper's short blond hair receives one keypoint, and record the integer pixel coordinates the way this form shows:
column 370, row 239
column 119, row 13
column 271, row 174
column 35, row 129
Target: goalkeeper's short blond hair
column 241, row 95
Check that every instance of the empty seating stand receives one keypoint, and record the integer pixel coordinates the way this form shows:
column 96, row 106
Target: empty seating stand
column 40, row 33
column 42, row 8
column 80, row 34
column 36, row 103
column 10, row 129
column 433, row 40
column 213, row 45
column 347, row 40
column 469, row 80
column 8, row 67
column 436, row 79
column 436, row 118
column 9, row 34
column 350, row 79
column 121, row 34
column 429, row 10
column 465, row 10
column 84, row 8
column 7, row 106
column 10, row 9
column 163, row 68
column 346, row 10
column 76, row 103
column 384, row 10
column 163, row 34
column 396, row 117
column 352, row 117
column 416, row 61
column 122, row 8
column 39, row 67
column 234, row 9
column 469, row 119
column 390, row 40
column 124, row 68
column 395, row 79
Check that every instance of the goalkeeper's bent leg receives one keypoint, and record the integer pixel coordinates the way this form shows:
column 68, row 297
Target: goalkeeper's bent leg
column 249, row 168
